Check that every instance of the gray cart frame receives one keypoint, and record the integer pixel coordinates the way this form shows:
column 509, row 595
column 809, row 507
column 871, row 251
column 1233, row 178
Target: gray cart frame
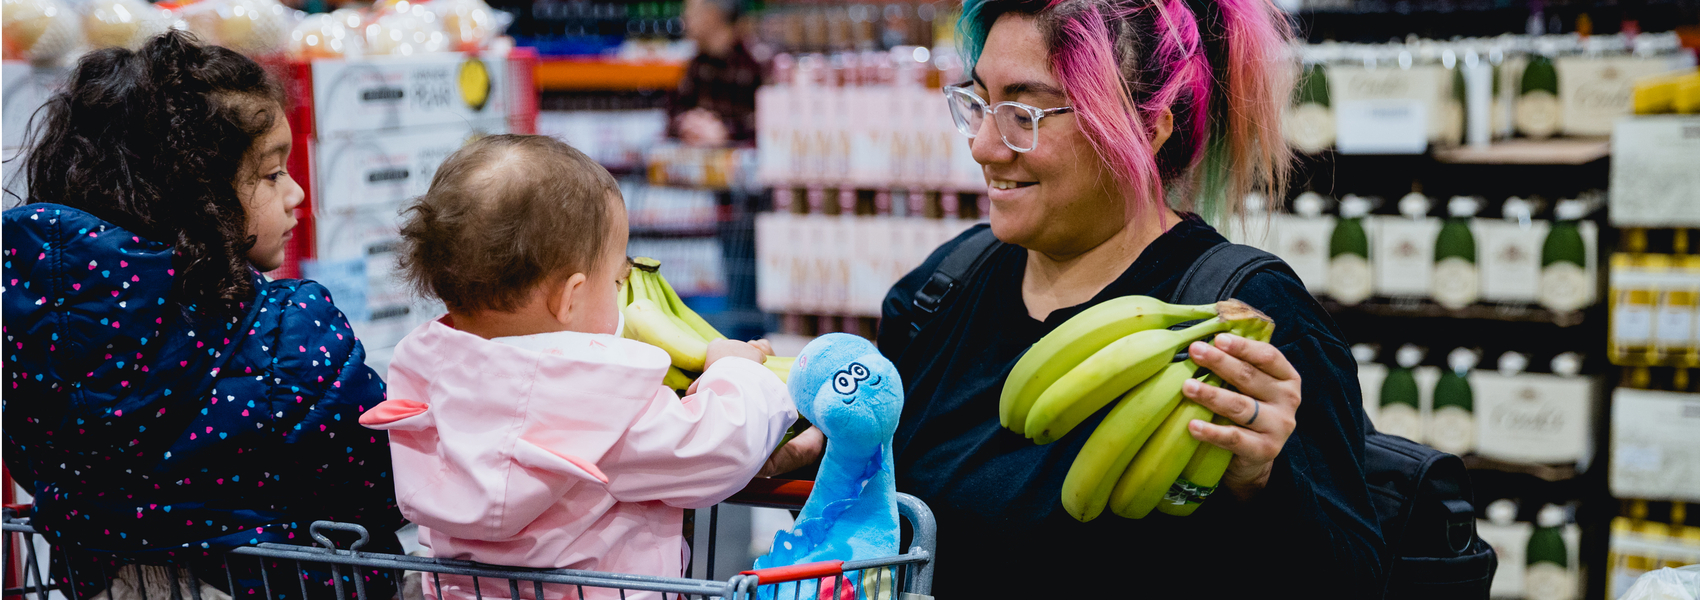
column 907, row 576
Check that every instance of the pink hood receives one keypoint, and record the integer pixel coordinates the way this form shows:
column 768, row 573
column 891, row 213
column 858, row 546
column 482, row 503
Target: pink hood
column 564, row 449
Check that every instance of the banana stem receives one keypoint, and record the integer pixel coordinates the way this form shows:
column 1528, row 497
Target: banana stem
column 1215, row 325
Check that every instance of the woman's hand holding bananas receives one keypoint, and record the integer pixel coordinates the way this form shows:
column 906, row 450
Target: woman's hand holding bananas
column 1263, row 408
column 1156, row 448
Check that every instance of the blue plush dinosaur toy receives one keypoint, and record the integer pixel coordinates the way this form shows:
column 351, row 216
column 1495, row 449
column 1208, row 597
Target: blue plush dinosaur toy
column 845, row 387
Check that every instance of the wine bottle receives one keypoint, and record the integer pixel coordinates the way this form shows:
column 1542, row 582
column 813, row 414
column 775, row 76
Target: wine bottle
column 1350, row 279
column 1457, row 283
column 1398, row 414
column 1452, row 429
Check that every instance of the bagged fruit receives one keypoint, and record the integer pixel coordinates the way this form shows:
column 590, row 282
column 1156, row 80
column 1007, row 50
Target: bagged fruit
column 406, row 29
column 470, row 24
column 323, row 36
column 42, row 31
column 122, row 23
column 255, row 27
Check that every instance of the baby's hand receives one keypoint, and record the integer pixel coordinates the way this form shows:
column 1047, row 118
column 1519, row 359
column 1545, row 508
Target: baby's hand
column 719, row 349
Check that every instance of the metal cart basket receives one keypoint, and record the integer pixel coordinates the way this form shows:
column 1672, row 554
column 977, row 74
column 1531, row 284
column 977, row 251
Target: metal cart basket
column 327, row 571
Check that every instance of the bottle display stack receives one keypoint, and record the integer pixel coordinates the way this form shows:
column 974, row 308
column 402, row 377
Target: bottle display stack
column 867, row 176
column 1458, row 207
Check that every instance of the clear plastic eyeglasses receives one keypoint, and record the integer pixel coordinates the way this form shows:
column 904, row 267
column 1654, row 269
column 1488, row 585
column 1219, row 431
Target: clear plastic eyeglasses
column 1018, row 123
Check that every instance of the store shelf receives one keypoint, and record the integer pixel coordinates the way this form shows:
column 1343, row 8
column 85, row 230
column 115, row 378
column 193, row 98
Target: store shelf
column 1515, row 313
column 1553, row 473
column 597, row 74
column 1528, row 152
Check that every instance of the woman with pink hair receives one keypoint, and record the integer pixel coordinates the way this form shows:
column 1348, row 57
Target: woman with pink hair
column 1105, row 129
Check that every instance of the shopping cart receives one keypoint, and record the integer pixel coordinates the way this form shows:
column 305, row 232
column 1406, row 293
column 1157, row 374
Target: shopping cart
column 907, row 576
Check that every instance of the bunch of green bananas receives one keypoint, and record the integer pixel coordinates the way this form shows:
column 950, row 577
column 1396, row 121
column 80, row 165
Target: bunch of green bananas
column 1141, row 456
column 656, row 315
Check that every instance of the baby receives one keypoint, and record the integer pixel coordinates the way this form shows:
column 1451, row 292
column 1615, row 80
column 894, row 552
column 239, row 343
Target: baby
column 524, row 430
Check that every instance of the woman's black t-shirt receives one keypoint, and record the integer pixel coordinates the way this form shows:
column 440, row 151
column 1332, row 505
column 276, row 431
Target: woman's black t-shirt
column 1002, row 531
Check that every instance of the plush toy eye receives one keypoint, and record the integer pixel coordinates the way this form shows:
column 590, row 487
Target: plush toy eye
column 843, row 383
column 858, row 371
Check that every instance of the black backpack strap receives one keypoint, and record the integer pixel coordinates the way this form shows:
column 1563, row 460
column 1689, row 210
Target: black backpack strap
column 956, row 269
column 1220, row 271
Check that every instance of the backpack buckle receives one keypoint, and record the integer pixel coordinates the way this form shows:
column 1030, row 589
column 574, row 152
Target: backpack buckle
column 931, row 296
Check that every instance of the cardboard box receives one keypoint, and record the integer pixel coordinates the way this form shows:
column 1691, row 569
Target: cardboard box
column 1403, row 254
column 396, row 92
column 1653, row 449
column 358, row 172
column 1388, row 110
column 1652, row 172
column 1594, row 92
column 1303, row 243
column 1534, row 418
column 1509, row 258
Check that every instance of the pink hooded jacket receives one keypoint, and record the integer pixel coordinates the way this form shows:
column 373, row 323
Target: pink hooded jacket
column 564, row 449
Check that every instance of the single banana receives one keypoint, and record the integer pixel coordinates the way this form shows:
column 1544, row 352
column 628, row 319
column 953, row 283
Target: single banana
column 690, row 317
column 677, row 380
column 1157, row 465
column 1078, row 338
column 649, row 324
column 1107, row 374
column 1199, row 479
column 650, row 287
column 1118, row 438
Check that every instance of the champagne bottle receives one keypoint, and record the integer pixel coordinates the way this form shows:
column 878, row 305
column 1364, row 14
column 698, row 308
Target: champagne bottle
column 1350, row 279
column 1399, row 412
column 1457, row 283
column 1548, row 574
column 1453, row 426
column 1539, row 114
column 1309, row 124
column 1564, row 260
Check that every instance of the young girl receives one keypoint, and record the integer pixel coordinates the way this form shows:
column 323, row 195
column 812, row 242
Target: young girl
column 165, row 401
column 525, row 431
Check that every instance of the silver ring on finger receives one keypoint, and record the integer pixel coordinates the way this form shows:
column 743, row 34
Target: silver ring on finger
column 1257, row 407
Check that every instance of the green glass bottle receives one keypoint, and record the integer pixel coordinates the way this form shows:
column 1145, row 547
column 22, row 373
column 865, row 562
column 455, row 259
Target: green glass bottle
column 1538, row 112
column 1310, row 120
column 1453, row 427
column 1398, row 413
column 1564, row 261
column 1457, row 283
column 1547, row 575
column 1350, row 279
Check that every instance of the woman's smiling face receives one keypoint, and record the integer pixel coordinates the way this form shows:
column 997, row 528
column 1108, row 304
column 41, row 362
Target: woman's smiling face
column 1059, row 198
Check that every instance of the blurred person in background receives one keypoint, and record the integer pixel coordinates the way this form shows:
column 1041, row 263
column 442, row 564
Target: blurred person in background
column 716, row 101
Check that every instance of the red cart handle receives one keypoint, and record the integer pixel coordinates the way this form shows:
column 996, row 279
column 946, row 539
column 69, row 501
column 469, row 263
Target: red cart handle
column 817, row 570
column 775, row 493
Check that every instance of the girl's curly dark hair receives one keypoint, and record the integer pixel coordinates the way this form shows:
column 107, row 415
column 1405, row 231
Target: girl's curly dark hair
column 155, row 141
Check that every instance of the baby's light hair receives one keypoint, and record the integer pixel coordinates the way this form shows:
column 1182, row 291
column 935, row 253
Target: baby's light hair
column 503, row 215
column 1217, row 65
